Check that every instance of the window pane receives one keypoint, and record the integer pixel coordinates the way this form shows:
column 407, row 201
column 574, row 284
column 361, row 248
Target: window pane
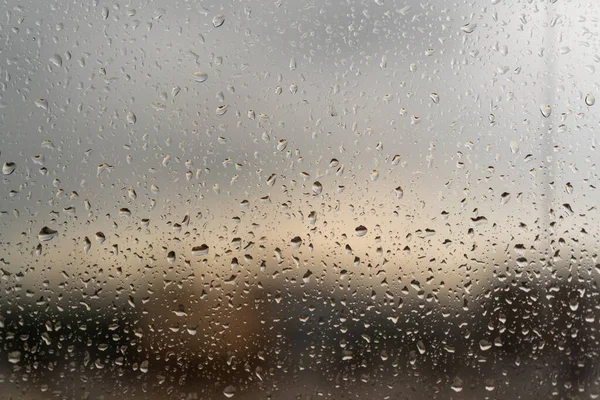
column 299, row 199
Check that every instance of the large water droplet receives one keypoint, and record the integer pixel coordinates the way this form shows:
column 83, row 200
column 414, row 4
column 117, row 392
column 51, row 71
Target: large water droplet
column 590, row 99
column 201, row 250
column 46, row 234
column 317, row 188
column 546, row 110
column 8, row 168
column 469, row 28
column 200, row 76
column 131, row 118
column 360, row 231
column 218, row 20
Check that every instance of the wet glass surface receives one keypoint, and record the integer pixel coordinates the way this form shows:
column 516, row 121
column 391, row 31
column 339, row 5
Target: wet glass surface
column 299, row 199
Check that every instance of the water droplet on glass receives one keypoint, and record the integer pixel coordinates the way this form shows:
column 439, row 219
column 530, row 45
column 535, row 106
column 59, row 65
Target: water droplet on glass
column 218, row 20
column 317, row 188
column 590, row 99
column 399, row 192
column 131, row 118
column 374, row 175
column 490, row 385
column 8, row 168
column 200, row 76
column 569, row 188
column 457, row 384
column 144, row 366
column 46, row 234
column 14, row 357
column 222, row 109
column 282, row 144
column 292, row 63
column 485, row 345
column 296, row 242
column 469, row 28
column 56, row 60
column 100, row 238
column 42, row 103
column 201, row 250
column 360, row 231
column 546, row 110
column 229, row 391
column 171, row 257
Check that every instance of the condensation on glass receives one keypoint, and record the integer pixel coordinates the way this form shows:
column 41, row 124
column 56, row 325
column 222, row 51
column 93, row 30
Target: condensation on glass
column 291, row 199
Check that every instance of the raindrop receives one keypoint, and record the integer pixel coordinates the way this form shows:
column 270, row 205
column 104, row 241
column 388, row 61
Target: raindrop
column 14, row 357
column 590, row 99
column 201, row 250
column 469, row 28
column 374, row 175
column 360, row 231
column 546, row 110
column 399, row 192
column 46, row 234
column 199, row 76
column 229, row 391
column 485, row 345
column 317, row 188
column 218, row 20
column 100, row 238
column 131, row 118
column 457, row 384
column 8, row 168
column 296, row 242
column 222, row 109
column 171, row 257
column 56, row 60
column 282, row 144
